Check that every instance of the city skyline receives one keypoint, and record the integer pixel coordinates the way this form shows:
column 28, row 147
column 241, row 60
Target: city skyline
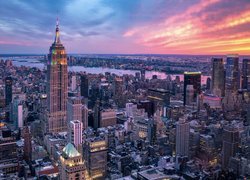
column 162, row 27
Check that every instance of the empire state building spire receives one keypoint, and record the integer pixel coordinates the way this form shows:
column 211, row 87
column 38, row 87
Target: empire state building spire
column 57, row 38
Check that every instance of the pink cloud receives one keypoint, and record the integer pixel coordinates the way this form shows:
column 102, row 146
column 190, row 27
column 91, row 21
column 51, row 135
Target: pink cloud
column 189, row 33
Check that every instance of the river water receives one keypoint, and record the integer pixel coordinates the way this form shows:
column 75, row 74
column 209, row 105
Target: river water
column 98, row 70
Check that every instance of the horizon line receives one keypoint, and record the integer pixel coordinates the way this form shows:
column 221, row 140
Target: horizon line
column 126, row 54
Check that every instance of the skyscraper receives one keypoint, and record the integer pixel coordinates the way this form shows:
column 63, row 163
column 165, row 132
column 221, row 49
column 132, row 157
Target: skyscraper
column 218, row 77
column 97, row 114
column 27, row 144
column 182, row 137
column 232, row 73
column 246, row 74
column 229, row 145
column 16, row 114
column 57, row 86
column 190, row 95
column 73, row 83
column 143, row 76
column 208, row 84
column 118, row 86
column 84, row 85
column 74, row 109
column 76, row 133
column 8, row 90
column 192, row 78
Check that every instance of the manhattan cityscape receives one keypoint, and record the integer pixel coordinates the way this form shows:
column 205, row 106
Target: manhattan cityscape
column 125, row 90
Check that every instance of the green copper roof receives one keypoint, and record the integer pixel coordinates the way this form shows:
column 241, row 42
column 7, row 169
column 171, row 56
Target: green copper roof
column 70, row 151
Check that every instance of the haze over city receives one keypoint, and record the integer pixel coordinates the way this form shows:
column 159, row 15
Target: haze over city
column 132, row 27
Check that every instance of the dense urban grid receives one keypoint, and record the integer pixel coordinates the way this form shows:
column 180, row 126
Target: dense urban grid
column 61, row 124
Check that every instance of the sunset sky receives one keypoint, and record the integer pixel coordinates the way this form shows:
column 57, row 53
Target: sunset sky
column 127, row 26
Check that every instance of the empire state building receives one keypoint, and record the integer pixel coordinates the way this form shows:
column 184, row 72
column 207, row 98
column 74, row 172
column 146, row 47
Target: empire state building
column 57, row 86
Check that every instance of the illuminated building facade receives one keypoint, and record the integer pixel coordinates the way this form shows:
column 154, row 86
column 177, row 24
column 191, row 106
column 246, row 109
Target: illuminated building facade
column 71, row 165
column 218, row 77
column 192, row 78
column 96, row 157
column 57, row 86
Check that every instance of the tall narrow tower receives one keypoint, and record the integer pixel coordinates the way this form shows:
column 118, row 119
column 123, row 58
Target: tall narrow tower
column 57, row 86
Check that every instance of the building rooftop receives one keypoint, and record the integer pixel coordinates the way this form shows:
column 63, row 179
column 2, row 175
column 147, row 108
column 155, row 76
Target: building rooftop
column 152, row 174
column 70, row 151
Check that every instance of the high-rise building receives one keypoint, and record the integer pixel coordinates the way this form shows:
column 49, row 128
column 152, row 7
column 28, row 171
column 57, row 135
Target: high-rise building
column 8, row 90
column 182, row 137
column 160, row 97
column 229, row 145
column 73, row 82
column 96, row 157
column 27, row 149
column 74, row 109
column 75, row 133
column 57, row 86
column 190, row 95
column 118, row 87
column 71, row 164
column 143, row 74
column 232, row 73
column 208, row 84
column 85, row 116
column 97, row 115
column 8, row 153
column 218, row 77
column 246, row 74
column 192, row 78
column 84, row 85
column 107, row 118
column 16, row 114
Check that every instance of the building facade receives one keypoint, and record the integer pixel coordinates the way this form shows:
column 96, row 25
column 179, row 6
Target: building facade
column 218, row 77
column 246, row 74
column 192, row 78
column 71, row 165
column 182, row 137
column 232, row 73
column 8, row 90
column 57, row 86
column 96, row 157
column 229, row 145
column 84, row 85
column 74, row 109
column 76, row 130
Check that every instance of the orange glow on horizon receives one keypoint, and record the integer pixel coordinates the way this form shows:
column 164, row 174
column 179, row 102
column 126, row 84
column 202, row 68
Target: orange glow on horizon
column 188, row 33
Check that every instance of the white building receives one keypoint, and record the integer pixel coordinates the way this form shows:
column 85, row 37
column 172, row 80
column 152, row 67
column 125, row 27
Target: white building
column 76, row 132
column 20, row 116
